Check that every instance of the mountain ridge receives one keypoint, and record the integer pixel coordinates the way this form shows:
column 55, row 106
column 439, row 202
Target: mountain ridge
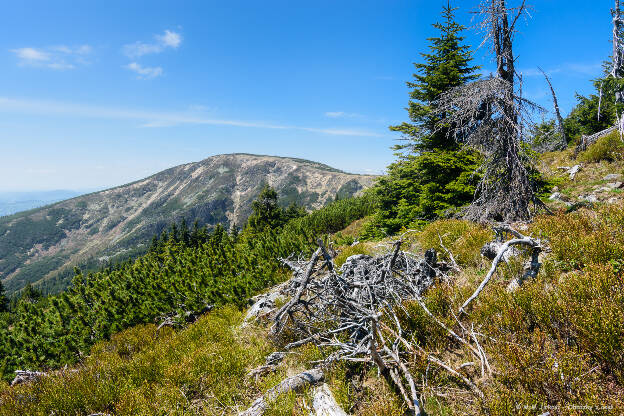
column 41, row 245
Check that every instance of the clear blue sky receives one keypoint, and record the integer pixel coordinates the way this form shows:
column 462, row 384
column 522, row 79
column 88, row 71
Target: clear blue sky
column 99, row 93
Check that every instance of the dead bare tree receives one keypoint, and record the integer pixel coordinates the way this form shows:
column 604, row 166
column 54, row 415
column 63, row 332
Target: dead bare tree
column 563, row 140
column 490, row 115
column 617, row 70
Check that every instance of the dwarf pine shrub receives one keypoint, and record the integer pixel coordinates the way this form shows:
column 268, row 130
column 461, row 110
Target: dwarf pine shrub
column 609, row 148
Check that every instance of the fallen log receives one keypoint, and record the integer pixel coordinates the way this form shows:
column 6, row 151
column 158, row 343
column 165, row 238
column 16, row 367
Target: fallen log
column 295, row 383
column 587, row 141
column 324, row 403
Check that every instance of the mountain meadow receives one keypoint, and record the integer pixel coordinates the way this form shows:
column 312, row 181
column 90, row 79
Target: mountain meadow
column 482, row 274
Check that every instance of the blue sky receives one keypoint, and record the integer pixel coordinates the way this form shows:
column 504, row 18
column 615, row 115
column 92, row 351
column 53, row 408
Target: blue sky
column 100, row 93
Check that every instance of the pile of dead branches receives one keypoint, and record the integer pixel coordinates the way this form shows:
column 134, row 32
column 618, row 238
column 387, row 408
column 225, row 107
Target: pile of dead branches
column 354, row 314
column 343, row 310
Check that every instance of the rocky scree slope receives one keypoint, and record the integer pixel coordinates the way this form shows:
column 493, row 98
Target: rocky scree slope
column 43, row 245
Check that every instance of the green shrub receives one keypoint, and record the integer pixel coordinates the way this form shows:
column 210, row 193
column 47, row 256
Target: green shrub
column 583, row 237
column 594, row 303
column 462, row 238
column 609, row 148
column 199, row 370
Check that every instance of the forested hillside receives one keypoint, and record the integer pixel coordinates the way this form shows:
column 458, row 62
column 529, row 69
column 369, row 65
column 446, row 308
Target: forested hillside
column 43, row 245
column 184, row 273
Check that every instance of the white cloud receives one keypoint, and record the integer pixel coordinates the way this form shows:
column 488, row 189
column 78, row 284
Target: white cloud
column 342, row 114
column 155, row 119
column 168, row 39
column 31, row 54
column 145, row 72
column 335, row 114
column 171, row 39
column 58, row 57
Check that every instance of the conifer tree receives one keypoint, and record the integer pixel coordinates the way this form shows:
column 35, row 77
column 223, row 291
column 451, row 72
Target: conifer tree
column 4, row 300
column 266, row 211
column 434, row 173
column 445, row 67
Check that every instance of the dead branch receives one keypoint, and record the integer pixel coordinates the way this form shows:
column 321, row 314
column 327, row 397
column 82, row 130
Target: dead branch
column 341, row 310
column 26, row 376
column 271, row 363
column 295, row 383
column 464, row 379
column 454, row 264
column 303, row 284
column 564, row 140
column 587, row 141
column 534, row 244
column 324, row 403
column 571, row 171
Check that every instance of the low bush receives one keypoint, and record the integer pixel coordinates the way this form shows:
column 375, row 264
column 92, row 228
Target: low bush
column 142, row 371
column 463, row 239
column 609, row 148
column 583, row 237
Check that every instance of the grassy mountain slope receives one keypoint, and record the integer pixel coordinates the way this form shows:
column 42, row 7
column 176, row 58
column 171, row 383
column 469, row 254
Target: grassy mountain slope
column 42, row 245
column 555, row 343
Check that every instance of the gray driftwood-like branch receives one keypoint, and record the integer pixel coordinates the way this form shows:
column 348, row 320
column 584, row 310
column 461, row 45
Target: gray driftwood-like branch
column 587, row 141
column 295, row 383
column 617, row 70
column 324, row 403
column 533, row 244
column 563, row 143
column 26, row 376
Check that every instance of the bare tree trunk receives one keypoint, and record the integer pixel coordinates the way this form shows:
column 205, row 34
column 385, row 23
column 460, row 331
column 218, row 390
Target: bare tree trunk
column 618, row 59
column 564, row 140
column 505, row 192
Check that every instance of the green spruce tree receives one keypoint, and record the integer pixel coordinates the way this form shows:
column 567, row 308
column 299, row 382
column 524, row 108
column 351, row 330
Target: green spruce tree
column 266, row 211
column 433, row 174
column 4, row 300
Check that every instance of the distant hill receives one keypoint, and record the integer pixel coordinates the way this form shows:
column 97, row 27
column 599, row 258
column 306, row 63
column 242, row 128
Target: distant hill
column 44, row 244
column 12, row 202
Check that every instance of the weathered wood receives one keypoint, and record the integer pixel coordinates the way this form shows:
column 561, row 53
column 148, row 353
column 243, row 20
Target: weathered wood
column 564, row 140
column 295, row 383
column 25, row 376
column 572, row 170
column 587, row 141
column 490, row 114
column 341, row 310
column 324, row 403
column 279, row 321
column 271, row 363
column 519, row 240
column 263, row 305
